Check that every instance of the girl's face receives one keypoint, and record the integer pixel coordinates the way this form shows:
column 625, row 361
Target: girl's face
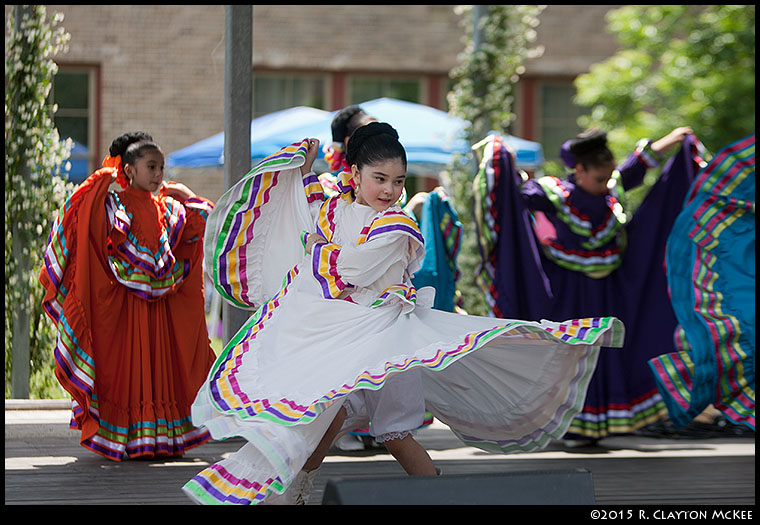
column 594, row 179
column 379, row 185
column 147, row 173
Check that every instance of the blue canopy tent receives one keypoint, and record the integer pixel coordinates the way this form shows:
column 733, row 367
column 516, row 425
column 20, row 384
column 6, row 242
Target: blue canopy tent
column 210, row 151
column 79, row 168
column 530, row 155
column 430, row 136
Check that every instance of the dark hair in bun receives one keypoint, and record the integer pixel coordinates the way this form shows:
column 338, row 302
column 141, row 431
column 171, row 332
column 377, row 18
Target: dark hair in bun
column 374, row 143
column 347, row 121
column 131, row 146
column 590, row 148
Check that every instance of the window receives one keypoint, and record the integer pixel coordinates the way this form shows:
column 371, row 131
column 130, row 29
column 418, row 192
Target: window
column 362, row 89
column 276, row 92
column 558, row 116
column 73, row 91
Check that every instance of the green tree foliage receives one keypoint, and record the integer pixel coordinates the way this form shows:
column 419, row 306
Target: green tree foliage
column 483, row 95
column 678, row 65
column 33, row 193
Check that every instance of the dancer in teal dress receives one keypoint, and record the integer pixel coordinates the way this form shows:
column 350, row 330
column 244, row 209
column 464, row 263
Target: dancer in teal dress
column 711, row 276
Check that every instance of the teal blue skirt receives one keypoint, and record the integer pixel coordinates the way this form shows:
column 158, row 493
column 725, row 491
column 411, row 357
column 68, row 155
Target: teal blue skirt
column 710, row 262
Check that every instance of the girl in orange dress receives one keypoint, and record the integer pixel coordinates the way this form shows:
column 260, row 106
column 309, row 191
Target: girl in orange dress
column 123, row 277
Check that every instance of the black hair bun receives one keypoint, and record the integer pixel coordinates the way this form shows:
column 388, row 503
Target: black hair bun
column 592, row 140
column 122, row 142
column 365, row 133
column 372, row 129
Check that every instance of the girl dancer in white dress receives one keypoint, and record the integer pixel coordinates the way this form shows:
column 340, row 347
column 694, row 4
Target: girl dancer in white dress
column 339, row 334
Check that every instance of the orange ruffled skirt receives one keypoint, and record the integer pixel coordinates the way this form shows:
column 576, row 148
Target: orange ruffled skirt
column 131, row 364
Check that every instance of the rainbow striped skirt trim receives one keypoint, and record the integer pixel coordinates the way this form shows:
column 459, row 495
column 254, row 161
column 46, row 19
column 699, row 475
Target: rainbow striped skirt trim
column 711, row 275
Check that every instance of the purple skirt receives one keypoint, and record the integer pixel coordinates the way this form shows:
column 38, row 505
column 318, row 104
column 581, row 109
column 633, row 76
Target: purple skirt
column 522, row 283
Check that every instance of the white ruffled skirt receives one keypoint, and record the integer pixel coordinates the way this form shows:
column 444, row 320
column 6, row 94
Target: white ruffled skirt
column 502, row 385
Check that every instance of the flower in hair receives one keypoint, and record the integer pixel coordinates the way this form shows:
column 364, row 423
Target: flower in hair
column 115, row 162
column 335, row 156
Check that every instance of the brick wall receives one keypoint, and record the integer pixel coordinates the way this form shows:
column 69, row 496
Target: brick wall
column 574, row 37
column 161, row 67
column 410, row 38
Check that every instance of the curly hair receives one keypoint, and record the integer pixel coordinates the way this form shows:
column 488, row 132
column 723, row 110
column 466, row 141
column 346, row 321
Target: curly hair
column 126, row 149
column 132, row 145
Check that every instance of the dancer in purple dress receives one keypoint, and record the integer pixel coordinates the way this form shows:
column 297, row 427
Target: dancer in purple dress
column 599, row 261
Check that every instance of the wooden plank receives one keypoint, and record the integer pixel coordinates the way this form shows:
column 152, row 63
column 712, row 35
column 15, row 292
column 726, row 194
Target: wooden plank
column 723, row 481
column 58, row 471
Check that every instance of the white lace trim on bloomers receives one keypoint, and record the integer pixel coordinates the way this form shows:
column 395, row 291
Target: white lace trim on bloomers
column 391, row 436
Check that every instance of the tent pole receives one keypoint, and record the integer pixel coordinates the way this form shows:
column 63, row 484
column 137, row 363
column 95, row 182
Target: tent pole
column 238, row 101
